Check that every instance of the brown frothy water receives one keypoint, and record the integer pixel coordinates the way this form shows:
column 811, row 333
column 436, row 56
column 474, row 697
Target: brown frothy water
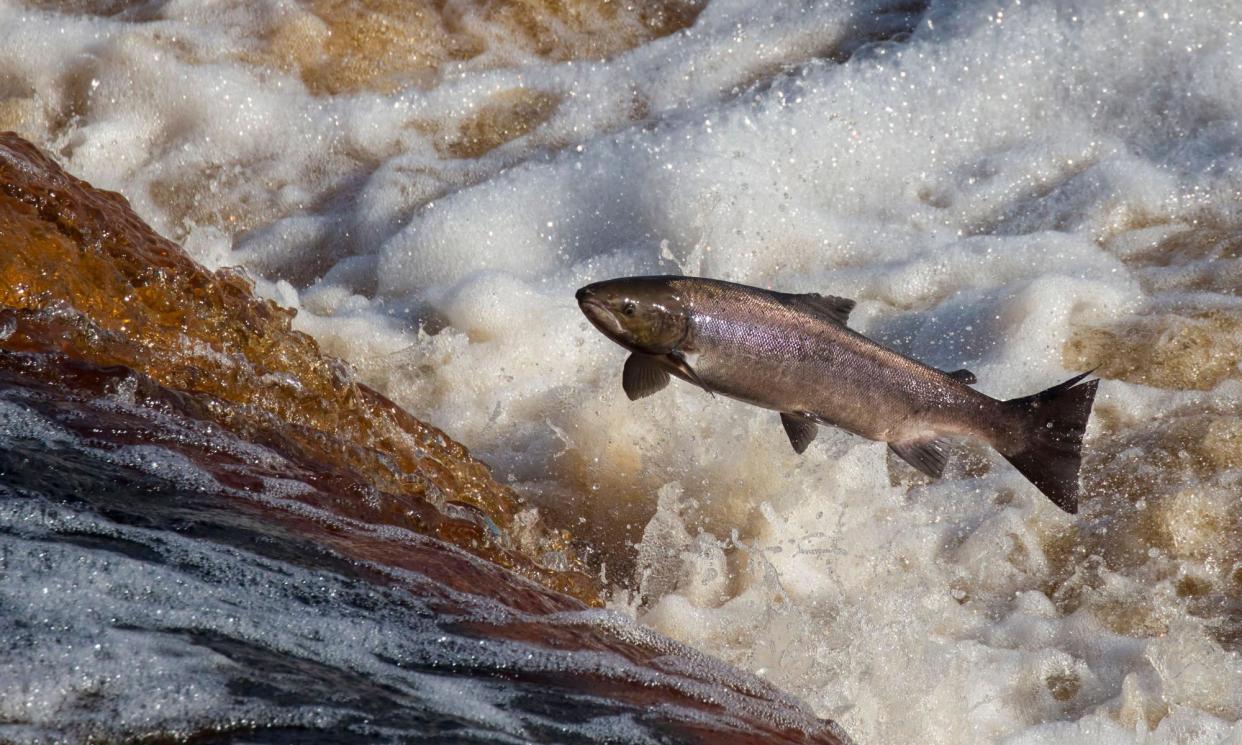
column 349, row 45
column 1190, row 350
column 699, row 699
column 94, row 306
column 82, row 277
column 1182, row 343
column 1163, row 516
column 346, row 47
column 505, row 117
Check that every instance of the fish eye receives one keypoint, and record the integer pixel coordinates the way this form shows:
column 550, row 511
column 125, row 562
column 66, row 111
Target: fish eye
column 629, row 308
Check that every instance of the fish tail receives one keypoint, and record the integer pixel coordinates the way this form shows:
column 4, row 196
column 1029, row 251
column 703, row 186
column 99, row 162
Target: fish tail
column 1051, row 437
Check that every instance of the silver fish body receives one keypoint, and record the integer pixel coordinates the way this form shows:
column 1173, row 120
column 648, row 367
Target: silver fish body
column 750, row 345
column 794, row 354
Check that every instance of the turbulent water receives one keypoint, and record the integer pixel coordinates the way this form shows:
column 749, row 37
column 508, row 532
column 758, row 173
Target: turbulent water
column 211, row 531
column 1022, row 189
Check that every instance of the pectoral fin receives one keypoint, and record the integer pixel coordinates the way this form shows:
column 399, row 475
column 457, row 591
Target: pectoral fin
column 679, row 362
column 928, row 456
column 801, row 431
column 642, row 376
column 963, row 376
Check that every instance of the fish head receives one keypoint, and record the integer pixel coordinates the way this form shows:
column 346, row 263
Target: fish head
column 642, row 314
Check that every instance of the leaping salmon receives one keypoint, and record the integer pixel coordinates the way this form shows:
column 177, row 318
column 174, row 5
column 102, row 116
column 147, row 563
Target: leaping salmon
column 794, row 354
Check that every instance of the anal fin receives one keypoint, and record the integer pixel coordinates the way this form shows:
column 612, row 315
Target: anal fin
column 928, row 456
column 801, row 431
column 643, row 375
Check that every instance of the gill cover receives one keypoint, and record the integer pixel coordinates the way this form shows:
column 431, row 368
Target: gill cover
column 643, row 314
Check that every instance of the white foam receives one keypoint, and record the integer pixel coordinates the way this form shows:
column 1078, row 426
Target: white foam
column 978, row 188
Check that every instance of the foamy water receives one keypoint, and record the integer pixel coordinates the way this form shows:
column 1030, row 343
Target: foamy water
column 1022, row 189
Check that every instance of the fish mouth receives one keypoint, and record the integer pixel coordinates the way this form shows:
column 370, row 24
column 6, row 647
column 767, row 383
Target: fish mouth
column 598, row 313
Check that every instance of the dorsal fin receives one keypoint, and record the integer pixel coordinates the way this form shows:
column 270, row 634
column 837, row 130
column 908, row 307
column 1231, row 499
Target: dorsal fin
column 963, row 376
column 833, row 308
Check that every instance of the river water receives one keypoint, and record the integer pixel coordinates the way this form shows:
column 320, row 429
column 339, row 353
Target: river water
column 1022, row 189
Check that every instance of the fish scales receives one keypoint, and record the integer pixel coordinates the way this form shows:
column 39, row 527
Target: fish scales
column 754, row 348
column 794, row 353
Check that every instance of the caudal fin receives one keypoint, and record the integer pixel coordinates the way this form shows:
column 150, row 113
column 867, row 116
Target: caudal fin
column 1055, row 420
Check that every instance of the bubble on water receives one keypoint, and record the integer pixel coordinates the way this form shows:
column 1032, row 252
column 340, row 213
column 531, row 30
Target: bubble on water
column 1025, row 194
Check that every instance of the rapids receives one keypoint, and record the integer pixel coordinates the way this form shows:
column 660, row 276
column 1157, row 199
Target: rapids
column 1022, row 189
column 209, row 530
